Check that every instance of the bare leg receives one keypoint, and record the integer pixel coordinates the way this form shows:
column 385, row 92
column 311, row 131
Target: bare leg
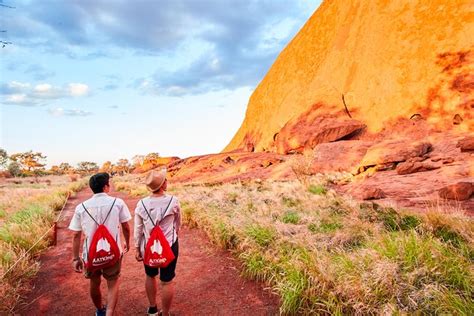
column 167, row 293
column 112, row 295
column 96, row 296
column 150, row 286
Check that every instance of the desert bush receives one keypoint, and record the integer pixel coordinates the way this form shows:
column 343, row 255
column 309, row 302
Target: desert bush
column 317, row 189
column 290, row 217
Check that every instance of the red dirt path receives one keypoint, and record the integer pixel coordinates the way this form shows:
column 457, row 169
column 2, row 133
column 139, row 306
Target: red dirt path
column 207, row 279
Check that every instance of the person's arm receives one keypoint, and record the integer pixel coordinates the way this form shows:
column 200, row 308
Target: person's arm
column 124, row 217
column 178, row 218
column 75, row 226
column 126, row 235
column 76, row 244
column 138, row 234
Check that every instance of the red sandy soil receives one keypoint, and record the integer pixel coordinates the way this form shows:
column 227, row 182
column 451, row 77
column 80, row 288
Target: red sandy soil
column 207, row 282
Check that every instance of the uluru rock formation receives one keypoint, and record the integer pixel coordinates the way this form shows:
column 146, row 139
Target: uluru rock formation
column 366, row 63
column 378, row 94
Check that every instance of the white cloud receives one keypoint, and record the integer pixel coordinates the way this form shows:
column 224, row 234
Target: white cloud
column 78, row 89
column 68, row 112
column 23, row 93
column 18, row 85
column 44, row 87
column 16, row 98
column 56, row 112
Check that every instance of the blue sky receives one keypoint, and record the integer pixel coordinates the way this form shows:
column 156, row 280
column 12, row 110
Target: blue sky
column 101, row 80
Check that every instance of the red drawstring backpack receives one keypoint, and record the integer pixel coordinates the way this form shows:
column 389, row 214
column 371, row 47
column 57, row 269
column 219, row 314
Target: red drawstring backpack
column 158, row 253
column 103, row 250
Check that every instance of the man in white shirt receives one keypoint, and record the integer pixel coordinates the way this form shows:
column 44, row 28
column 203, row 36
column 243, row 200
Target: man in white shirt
column 98, row 206
column 163, row 210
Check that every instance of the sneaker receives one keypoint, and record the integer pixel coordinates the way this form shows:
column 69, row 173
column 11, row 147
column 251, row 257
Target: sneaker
column 153, row 311
column 101, row 312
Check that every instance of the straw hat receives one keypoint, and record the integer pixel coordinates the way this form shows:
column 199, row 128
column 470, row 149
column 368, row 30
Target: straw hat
column 155, row 179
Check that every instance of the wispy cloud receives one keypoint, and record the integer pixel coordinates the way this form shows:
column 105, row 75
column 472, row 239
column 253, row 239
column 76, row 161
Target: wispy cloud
column 68, row 112
column 24, row 93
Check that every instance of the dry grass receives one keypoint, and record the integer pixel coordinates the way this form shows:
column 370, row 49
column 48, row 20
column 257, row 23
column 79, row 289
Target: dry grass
column 27, row 211
column 324, row 254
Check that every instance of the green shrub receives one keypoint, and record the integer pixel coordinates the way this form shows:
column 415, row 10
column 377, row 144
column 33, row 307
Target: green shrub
column 317, row 189
column 290, row 217
column 448, row 235
column 263, row 236
column 408, row 222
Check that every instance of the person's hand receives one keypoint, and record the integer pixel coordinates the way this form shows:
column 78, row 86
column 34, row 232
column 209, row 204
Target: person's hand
column 126, row 248
column 138, row 255
column 78, row 265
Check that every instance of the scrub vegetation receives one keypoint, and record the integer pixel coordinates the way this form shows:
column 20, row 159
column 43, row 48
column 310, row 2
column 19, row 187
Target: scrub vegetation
column 27, row 211
column 323, row 254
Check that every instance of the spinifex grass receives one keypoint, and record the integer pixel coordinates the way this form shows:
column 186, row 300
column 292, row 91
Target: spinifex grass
column 326, row 255
column 28, row 213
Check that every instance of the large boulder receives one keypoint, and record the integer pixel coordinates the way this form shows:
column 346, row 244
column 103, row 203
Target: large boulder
column 343, row 155
column 408, row 167
column 393, row 151
column 466, row 144
column 309, row 130
column 460, row 191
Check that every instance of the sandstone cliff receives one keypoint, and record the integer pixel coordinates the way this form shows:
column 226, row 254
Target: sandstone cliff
column 389, row 59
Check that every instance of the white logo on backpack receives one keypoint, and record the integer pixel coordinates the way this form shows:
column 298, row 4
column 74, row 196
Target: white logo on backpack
column 156, row 248
column 103, row 244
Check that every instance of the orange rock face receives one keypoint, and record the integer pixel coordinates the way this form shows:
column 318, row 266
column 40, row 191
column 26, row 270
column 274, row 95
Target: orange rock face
column 372, row 61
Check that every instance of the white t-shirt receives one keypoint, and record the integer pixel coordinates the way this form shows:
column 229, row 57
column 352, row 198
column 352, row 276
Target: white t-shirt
column 98, row 206
column 168, row 219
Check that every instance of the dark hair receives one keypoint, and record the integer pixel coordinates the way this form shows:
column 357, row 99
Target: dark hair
column 98, row 181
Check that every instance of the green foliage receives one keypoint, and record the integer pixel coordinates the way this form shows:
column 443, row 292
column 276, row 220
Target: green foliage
column 448, row 235
column 87, row 167
column 290, row 217
column 391, row 219
column 29, row 161
column 317, row 189
column 292, row 289
column 263, row 236
column 224, row 235
column 14, row 169
column 3, row 158
column 326, row 226
column 408, row 222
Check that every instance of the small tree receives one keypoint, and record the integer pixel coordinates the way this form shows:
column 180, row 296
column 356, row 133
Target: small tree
column 29, row 161
column 107, row 167
column 55, row 170
column 64, row 167
column 123, row 166
column 87, row 167
column 3, row 158
column 14, row 169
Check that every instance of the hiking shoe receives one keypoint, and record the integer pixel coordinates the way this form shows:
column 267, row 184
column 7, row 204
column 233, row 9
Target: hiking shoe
column 153, row 311
column 101, row 312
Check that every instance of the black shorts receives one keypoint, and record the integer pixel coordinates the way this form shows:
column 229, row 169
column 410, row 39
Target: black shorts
column 166, row 274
